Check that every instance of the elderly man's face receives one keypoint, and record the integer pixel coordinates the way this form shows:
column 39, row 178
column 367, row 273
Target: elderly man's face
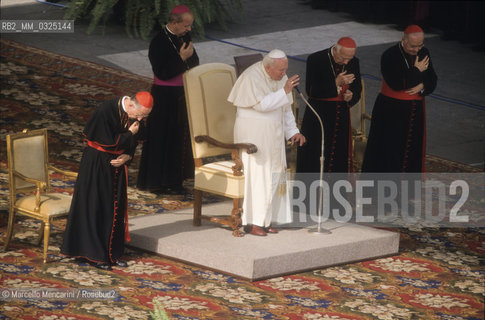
column 134, row 112
column 277, row 70
column 413, row 43
column 344, row 55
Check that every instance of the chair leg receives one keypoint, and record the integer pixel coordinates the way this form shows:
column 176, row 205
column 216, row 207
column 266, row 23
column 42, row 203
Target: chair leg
column 41, row 232
column 197, row 207
column 47, row 229
column 11, row 219
column 236, row 218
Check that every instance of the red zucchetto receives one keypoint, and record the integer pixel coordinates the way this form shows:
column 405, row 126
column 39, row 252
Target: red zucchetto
column 413, row 29
column 145, row 99
column 180, row 9
column 347, row 42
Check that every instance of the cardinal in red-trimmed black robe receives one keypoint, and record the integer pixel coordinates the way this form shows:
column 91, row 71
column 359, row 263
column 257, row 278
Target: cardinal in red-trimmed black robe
column 397, row 137
column 97, row 221
column 333, row 85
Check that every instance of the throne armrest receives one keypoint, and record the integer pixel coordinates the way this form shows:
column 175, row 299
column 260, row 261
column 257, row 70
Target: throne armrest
column 249, row 147
column 67, row 173
column 236, row 148
column 40, row 185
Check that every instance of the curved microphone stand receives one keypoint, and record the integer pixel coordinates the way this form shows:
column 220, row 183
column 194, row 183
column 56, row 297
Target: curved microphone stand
column 318, row 229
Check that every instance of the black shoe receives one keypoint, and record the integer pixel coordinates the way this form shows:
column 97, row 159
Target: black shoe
column 103, row 266
column 176, row 190
column 120, row 263
column 156, row 191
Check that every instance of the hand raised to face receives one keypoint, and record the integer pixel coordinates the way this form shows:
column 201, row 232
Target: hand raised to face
column 344, row 78
column 291, row 83
column 134, row 127
column 186, row 50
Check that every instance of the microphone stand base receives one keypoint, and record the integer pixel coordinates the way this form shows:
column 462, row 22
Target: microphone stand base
column 319, row 231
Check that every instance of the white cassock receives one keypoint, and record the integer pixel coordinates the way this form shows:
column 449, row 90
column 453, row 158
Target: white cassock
column 264, row 118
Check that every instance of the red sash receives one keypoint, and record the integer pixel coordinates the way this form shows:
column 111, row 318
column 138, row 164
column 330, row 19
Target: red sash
column 400, row 95
column 97, row 146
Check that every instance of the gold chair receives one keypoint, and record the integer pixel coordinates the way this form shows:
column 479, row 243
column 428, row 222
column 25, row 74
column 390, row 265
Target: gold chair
column 358, row 119
column 211, row 121
column 28, row 171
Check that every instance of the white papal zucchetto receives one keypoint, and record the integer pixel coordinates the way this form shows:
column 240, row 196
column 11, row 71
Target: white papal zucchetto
column 276, row 54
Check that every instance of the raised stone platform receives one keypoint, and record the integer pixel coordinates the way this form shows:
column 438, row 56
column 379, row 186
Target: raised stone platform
column 250, row 257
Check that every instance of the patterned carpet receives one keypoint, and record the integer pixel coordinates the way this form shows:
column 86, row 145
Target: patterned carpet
column 438, row 273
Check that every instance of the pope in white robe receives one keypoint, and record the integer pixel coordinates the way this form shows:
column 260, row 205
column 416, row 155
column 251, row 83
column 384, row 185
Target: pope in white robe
column 262, row 95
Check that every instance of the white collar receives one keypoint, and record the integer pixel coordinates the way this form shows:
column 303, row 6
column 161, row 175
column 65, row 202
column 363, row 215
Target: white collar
column 331, row 52
column 123, row 103
column 166, row 26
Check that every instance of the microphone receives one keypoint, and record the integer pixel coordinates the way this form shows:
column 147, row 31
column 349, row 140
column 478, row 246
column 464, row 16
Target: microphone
column 297, row 89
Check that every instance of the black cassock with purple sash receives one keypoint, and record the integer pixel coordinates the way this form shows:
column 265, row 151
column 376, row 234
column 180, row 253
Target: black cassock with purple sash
column 167, row 158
